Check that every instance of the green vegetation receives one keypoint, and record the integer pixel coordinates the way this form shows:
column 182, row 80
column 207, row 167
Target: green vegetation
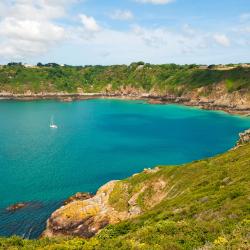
column 170, row 78
column 206, row 206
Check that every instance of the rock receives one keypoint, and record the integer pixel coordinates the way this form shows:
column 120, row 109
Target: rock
column 78, row 196
column 135, row 174
column 226, row 180
column 133, row 200
column 244, row 138
column 135, row 210
column 21, row 205
column 17, row 206
column 84, row 215
column 204, row 199
column 233, row 216
column 84, row 218
column 151, row 171
column 66, row 99
column 178, row 210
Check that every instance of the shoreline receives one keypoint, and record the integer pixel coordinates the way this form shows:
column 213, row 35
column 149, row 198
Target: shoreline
column 151, row 99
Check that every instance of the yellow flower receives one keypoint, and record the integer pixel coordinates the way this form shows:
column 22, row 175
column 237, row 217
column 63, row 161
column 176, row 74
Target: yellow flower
column 220, row 241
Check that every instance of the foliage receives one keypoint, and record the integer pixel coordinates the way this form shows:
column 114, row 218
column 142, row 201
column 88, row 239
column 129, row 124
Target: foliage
column 170, row 78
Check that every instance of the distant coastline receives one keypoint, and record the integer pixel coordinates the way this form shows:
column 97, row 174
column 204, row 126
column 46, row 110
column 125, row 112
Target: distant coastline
column 213, row 87
column 208, row 104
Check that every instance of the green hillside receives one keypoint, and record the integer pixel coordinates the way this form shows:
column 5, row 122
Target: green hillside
column 206, row 205
column 169, row 78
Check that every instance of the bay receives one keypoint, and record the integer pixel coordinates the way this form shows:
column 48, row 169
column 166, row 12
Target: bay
column 96, row 141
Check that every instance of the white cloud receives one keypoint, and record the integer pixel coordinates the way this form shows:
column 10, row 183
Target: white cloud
column 155, row 45
column 164, row 39
column 244, row 17
column 222, row 40
column 122, row 15
column 187, row 29
column 27, row 27
column 246, row 29
column 140, row 43
column 30, row 30
column 243, row 30
column 89, row 23
column 155, row 1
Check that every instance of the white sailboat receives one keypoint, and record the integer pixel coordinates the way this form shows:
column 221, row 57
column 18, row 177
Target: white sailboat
column 52, row 124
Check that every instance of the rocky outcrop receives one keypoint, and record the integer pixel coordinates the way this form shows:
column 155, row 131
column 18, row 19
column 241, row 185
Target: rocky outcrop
column 78, row 197
column 23, row 205
column 85, row 215
column 244, row 138
column 17, row 206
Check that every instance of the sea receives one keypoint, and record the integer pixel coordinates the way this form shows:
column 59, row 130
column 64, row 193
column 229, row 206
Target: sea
column 96, row 141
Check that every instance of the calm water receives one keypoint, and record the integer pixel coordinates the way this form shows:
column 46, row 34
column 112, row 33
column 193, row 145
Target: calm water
column 97, row 141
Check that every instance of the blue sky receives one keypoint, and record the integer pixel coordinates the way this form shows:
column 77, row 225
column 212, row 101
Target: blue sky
column 81, row 32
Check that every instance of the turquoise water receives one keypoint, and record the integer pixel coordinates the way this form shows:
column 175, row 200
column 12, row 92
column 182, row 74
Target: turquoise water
column 97, row 141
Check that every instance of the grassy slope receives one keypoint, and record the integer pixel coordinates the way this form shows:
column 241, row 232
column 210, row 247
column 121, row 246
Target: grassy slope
column 171, row 78
column 207, row 205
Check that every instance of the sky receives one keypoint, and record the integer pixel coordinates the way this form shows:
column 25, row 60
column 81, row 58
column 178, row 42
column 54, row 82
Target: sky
column 104, row 32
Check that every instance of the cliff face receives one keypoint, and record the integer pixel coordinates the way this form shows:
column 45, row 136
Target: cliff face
column 218, row 95
column 214, row 97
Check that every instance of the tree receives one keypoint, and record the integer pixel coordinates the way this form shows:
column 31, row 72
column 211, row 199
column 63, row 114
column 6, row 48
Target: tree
column 212, row 66
column 14, row 64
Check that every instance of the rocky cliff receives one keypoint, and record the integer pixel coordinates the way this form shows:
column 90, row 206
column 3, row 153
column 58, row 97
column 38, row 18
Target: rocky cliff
column 212, row 97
